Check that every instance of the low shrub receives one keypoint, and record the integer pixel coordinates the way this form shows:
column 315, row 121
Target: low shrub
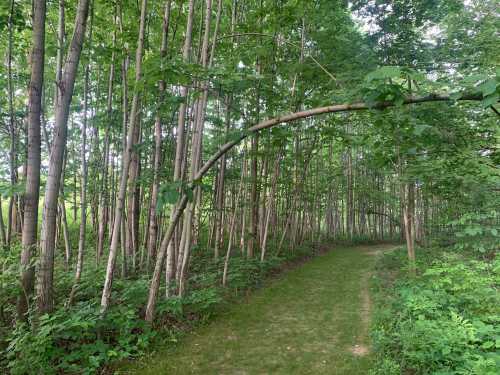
column 76, row 341
column 444, row 321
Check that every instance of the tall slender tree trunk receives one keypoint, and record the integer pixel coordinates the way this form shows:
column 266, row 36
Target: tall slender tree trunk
column 219, row 210
column 264, row 174
column 254, row 199
column 409, row 221
column 243, row 208
column 153, row 214
column 133, row 209
column 11, row 214
column 113, row 250
column 180, row 152
column 64, row 222
column 3, row 235
column 31, row 196
column 63, row 217
column 84, row 172
column 196, row 152
column 350, row 195
column 61, row 25
column 65, row 93
column 270, row 204
column 232, row 231
column 104, row 212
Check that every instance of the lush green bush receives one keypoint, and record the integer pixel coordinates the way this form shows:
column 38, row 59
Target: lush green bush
column 478, row 232
column 77, row 340
column 445, row 321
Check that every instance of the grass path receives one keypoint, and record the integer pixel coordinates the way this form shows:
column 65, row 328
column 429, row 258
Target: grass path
column 312, row 320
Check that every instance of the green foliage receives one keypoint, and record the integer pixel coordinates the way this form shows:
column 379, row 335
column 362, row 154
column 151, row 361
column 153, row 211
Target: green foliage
column 7, row 190
column 478, row 232
column 442, row 322
column 76, row 341
column 488, row 86
column 9, row 264
column 384, row 72
column 170, row 193
column 389, row 84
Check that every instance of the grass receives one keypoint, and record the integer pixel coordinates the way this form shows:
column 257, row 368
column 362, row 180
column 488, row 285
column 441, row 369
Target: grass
column 312, row 320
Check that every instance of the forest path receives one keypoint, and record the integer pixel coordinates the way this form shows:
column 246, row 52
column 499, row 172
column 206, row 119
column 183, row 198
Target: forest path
column 312, row 320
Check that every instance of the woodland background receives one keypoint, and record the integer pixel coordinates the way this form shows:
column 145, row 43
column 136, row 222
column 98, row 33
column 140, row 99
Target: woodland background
column 118, row 224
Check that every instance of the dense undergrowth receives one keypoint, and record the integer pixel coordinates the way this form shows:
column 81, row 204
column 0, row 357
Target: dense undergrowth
column 77, row 340
column 446, row 320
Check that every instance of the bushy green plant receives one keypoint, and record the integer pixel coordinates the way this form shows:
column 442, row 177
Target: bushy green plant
column 445, row 321
column 9, row 284
column 478, row 231
column 76, row 341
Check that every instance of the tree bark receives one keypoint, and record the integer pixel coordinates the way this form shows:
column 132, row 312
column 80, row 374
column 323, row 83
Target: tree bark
column 153, row 214
column 84, row 172
column 196, row 152
column 232, row 231
column 113, row 250
column 409, row 221
column 180, row 152
column 3, row 236
column 104, row 213
column 270, row 201
column 65, row 93
column 31, row 196
column 219, row 230
column 11, row 213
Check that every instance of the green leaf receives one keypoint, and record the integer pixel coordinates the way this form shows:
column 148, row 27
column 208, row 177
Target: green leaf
column 384, row 72
column 488, row 87
column 168, row 194
column 419, row 129
column 488, row 345
column 490, row 100
column 399, row 101
column 474, row 78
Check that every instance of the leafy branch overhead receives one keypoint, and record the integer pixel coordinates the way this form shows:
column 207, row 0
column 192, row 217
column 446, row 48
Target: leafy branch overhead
column 395, row 84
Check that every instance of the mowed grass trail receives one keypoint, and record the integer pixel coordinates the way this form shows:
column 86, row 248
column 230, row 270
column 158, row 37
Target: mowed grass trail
column 312, row 320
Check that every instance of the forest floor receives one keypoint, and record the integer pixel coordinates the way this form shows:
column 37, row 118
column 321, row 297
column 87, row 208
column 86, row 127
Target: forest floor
column 313, row 319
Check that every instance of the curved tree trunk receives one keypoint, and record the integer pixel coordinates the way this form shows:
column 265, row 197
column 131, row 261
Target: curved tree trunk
column 283, row 119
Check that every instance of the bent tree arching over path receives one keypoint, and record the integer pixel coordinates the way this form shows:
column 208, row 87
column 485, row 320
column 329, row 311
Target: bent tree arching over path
column 183, row 200
column 314, row 319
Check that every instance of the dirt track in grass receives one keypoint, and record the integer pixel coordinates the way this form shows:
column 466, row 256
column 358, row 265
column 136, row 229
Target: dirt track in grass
column 312, row 320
